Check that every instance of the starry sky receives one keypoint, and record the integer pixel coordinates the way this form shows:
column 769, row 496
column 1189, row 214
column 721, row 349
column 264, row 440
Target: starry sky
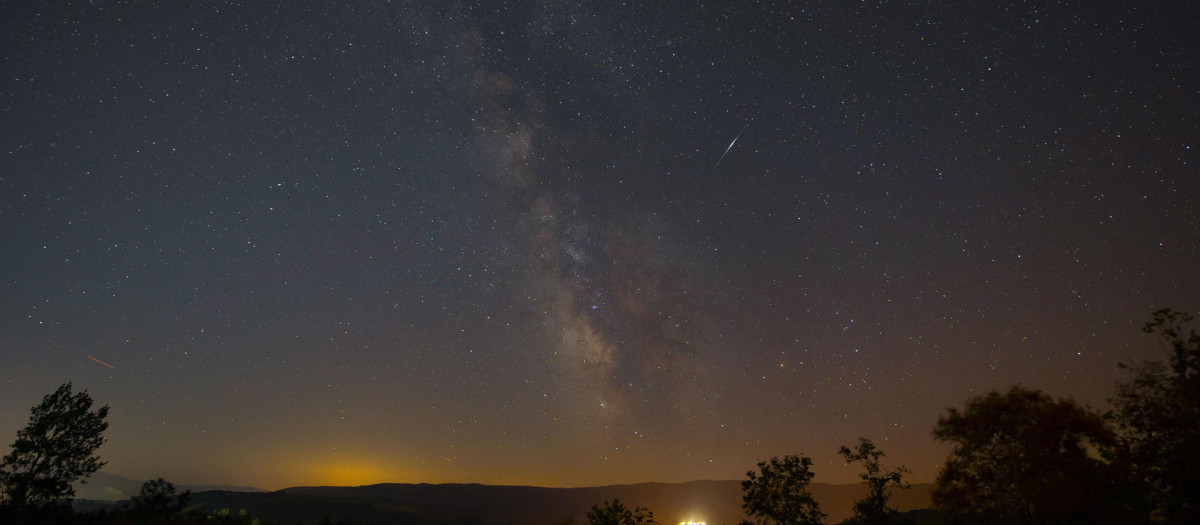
column 581, row 243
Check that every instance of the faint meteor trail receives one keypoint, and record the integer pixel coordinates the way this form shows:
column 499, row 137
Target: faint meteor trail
column 101, row 362
column 739, row 135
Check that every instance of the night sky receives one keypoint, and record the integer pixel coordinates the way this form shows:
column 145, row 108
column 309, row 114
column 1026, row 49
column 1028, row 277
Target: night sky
column 511, row 243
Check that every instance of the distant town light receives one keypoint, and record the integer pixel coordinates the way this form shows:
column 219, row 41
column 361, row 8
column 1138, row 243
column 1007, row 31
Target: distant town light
column 691, row 523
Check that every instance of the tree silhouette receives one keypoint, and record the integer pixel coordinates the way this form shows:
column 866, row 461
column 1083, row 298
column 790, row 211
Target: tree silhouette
column 56, row 448
column 158, row 500
column 874, row 508
column 1158, row 414
column 778, row 494
column 1023, row 457
column 615, row 513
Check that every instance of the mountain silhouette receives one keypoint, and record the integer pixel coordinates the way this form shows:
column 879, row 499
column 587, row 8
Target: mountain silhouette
column 713, row 502
column 103, row 486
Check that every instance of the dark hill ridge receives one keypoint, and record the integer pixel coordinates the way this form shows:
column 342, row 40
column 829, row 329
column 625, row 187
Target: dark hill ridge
column 715, row 502
column 103, row 486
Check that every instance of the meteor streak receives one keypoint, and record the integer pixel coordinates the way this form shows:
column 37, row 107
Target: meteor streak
column 101, row 362
column 739, row 135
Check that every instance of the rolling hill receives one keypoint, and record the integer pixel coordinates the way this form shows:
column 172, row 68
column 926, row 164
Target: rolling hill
column 714, row 502
column 103, row 486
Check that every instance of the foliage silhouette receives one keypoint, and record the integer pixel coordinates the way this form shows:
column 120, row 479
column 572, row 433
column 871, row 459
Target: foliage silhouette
column 159, row 501
column 55, row 449
column 1023, row 457
column 873, row 510
column 616, row 513
column 778, row 494
column 1158, row 414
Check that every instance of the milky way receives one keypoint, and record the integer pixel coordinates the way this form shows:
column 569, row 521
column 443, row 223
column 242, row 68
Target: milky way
column 617, row 317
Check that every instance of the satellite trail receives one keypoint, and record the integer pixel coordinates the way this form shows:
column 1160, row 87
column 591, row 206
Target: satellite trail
column 101, row 362
column 739, row 135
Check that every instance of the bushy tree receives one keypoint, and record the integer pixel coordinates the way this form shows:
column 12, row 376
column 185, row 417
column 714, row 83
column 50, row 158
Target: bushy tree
column 616, row 513
column 873, row 509
column 1023, row 457
column 159, row 500
column 1158, row 414
column 778, row 493
column 55, row 449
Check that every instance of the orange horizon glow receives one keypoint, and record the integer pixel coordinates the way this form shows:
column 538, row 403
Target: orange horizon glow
column 353, row 473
